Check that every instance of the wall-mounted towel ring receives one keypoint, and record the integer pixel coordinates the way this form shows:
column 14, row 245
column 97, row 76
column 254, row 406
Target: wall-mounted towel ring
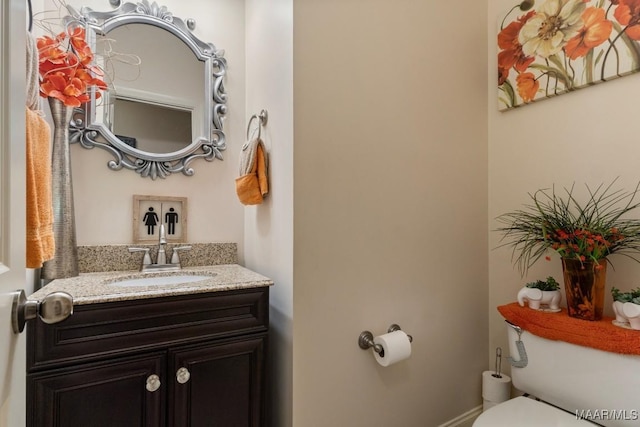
column 262, row 118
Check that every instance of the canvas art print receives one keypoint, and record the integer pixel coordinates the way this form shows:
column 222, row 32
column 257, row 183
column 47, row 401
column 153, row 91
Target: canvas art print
column 551, row 47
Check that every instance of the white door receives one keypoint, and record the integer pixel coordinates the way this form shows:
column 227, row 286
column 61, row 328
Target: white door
column 12, row 207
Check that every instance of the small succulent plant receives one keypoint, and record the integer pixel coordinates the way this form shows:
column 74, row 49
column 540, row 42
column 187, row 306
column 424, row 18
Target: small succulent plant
column 631, row 296
column 549, row 285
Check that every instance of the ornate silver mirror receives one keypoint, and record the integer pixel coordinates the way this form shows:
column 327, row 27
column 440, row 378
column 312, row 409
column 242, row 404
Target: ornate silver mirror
column 166, row 99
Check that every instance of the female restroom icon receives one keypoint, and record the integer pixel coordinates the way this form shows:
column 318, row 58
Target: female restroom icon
column 150, row 219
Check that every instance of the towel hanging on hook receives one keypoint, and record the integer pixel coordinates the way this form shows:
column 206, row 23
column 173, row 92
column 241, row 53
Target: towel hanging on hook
column 252, row 183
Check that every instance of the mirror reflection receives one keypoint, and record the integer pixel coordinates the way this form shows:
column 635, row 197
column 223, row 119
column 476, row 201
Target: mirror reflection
column 151, row 127
column 139, row 60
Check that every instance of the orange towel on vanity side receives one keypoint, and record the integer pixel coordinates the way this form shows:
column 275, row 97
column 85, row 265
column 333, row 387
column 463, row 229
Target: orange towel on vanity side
column 253, row 184
column 601, row 335
column 40, row 242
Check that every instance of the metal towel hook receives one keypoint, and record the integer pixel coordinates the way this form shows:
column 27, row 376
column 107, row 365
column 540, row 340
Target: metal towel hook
column 522, row 352
column 262, row 118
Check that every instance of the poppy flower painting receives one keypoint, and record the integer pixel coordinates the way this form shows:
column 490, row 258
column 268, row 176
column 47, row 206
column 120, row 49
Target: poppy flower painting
column 550, row 47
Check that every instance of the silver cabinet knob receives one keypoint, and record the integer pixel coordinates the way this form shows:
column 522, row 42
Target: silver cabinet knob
column 183, row 375
column 53, row 308
column 153, row 383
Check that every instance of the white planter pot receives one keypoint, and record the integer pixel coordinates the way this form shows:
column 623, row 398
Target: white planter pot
column 617, row 310
column 632, row 312
column 540, row 300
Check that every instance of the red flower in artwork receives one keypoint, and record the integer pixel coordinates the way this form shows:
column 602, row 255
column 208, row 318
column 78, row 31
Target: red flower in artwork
column 511, row 54
column 527, row 86
column 628, row 14
column 596, row 30
column 66, row 71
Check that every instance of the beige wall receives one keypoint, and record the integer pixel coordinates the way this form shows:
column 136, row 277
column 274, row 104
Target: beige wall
column 268, row 228
column 587, row 136
column 390, row 202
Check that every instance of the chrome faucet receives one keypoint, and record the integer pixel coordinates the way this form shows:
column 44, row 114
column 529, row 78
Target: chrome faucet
column 162, row 256
column 161, row 259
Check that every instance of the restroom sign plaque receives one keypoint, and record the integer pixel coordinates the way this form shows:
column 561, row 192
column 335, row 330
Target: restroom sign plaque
column 150, row 212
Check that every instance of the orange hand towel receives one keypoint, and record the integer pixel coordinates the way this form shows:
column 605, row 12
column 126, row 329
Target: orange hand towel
column 40, row 243
column 601, row 335
column 253, row 183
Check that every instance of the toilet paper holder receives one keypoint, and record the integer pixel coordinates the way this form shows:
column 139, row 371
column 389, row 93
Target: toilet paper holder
column 365, row 340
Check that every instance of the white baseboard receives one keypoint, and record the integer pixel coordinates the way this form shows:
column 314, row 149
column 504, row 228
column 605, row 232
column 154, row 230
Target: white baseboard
column 464, row 420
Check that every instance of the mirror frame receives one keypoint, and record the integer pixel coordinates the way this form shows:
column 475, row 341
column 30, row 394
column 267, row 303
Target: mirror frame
column 89, row 133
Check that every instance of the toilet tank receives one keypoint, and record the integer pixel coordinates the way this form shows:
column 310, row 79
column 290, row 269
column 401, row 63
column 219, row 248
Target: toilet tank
column 602, row 386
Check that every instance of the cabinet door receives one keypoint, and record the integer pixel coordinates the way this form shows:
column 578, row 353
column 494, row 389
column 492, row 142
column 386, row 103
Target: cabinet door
column 116, row 393
column 218, row 384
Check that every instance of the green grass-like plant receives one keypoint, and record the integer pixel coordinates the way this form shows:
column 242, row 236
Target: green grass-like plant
column 587, row 231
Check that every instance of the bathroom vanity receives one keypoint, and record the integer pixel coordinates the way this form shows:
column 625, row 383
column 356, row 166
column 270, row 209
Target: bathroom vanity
column 152, row 355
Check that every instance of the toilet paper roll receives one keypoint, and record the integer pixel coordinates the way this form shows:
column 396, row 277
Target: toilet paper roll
column 495, row 390
column 395, row 347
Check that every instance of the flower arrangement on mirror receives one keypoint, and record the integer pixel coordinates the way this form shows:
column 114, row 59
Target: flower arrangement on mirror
column 561, row 45
column 584, row 235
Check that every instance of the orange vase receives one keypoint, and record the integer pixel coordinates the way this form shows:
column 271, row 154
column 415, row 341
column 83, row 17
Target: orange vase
column 584, row 284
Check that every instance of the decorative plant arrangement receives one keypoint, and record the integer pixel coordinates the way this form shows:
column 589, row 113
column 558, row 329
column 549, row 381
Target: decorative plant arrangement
column 541, row 292
column 67, row 77
column 66, row 68
column 552, row 47
column 584, row 234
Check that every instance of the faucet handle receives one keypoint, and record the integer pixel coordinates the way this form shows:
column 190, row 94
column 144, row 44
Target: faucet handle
column 146, row 260
column 175, row 259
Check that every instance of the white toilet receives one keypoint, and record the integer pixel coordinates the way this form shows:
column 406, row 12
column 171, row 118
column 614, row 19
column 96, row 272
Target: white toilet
column 569, row 381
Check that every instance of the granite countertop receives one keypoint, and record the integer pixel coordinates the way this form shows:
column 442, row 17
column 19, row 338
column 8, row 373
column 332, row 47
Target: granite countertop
column 93, row 288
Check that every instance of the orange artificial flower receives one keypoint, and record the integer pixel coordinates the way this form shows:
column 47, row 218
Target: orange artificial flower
column 67, row 73
column 527, row 86
column 628, row 14
column 596, row 30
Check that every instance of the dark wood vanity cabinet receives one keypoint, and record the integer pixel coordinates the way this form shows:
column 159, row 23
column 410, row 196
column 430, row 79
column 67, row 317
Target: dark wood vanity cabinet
column 193, row 360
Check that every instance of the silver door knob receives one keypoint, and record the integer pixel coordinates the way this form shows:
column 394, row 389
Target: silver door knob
column 153, row 383
column 53, row 308
column 183, row 375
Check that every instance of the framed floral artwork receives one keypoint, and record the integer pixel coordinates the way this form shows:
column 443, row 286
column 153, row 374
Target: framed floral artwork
column 550, row 47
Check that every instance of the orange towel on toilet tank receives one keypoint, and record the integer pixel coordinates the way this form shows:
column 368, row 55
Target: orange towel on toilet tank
column 601, row 335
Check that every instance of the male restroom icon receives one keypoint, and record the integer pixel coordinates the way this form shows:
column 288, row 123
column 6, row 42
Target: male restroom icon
column 171, row 219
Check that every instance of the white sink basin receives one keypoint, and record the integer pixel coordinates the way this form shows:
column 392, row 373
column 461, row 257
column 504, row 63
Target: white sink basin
column 162, row 280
